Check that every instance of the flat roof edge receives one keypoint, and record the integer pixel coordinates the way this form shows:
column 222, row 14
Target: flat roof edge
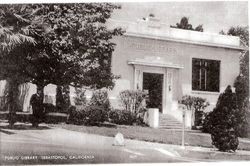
column 184, row 41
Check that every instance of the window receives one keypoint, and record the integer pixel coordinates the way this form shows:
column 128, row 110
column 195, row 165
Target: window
column 205, row 75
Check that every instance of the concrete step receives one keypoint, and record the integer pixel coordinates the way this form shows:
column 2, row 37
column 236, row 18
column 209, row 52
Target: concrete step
column 169, row 122
column 170, row 127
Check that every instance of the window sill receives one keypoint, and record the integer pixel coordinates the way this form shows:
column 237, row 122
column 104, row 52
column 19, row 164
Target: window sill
column 205, row 92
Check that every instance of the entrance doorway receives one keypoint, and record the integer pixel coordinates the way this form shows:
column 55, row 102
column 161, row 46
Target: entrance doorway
column 153, row 83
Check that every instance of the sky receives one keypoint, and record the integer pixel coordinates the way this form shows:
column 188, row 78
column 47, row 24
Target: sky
column 214, row 16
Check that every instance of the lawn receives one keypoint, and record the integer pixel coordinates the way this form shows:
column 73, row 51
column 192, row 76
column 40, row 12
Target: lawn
column 192, row 138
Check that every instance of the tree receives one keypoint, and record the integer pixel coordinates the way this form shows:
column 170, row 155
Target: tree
column 224, row 121
column 14, row 37
column 184, row 24
column 73, row 44
column 243, row 33
column 62, row 98
column 242, row 81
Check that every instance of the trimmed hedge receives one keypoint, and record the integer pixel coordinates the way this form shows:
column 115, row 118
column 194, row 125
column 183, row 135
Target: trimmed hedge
column 90, row 115
column 123, row 117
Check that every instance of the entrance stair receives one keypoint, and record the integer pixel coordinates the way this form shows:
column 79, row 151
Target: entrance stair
column 169, row 122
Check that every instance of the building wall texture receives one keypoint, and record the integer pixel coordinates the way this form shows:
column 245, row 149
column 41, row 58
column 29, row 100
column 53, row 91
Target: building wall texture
column 130, row 47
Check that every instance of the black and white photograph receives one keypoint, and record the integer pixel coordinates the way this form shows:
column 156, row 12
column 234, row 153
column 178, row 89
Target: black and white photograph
column 88, row 82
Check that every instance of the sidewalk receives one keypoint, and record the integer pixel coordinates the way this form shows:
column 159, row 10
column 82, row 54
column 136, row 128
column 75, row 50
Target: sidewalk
column 78, row 140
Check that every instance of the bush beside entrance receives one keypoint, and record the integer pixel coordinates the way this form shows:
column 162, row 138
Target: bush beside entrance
column 197, row 106
column 224, row 122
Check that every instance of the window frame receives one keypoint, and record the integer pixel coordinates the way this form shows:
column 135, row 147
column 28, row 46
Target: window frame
column 219, row 75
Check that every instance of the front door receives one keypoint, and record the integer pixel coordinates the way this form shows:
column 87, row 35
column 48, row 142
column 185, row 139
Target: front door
column 153, row 84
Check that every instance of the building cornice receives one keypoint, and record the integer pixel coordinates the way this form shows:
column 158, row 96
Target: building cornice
column 163, row 38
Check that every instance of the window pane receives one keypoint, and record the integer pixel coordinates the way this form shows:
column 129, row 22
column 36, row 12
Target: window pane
column 196, row 74
column 205, row 75
column 213, row 76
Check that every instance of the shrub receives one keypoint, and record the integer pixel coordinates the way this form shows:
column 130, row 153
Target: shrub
column 122, row 117
column 75, row 116
column 206, row 123
column 100, row 99
column 242, row 92
column 62, row 98
column 95, row 115
column 224, row 122
column 133, row 100
column 90, row 115
column 197, row 106
column 80, row 98
column 48, row 107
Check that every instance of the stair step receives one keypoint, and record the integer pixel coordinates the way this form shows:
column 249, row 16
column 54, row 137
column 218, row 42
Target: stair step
column 169, row 122
column 166, row 127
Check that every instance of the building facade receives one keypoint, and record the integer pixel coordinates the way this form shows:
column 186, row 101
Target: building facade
column 168, row 63
column 179, row 62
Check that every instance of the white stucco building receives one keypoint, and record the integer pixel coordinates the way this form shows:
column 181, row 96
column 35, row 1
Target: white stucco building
column 177, row 61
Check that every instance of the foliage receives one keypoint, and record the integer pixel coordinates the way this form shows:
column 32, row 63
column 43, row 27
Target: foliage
column 100, row 98
column 62, row 98
column 206, row 123
column 242, row 81
column 184, row 24
column 95, row 115
column 14, row 44
column 61, row 44
column 48, row 107
column 133, row 100
column 76, row 117
column 196, row 105
column 242, row 32
column 224, row 120
column 80, row 98
column 90, row 115
column 242, row 93
column 124, row 117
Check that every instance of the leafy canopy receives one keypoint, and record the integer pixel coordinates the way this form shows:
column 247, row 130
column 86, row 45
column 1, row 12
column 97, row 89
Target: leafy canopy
column 72, row 43
column 184, row 24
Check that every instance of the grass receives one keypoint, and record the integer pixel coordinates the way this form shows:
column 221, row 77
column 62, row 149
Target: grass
column 149, row 134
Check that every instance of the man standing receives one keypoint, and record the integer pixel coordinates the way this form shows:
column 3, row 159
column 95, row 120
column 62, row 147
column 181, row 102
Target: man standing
column 37, row 107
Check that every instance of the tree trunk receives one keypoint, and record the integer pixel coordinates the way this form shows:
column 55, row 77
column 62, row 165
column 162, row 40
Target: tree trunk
column 40, row 88
column 12, row 100
column 62, row 98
